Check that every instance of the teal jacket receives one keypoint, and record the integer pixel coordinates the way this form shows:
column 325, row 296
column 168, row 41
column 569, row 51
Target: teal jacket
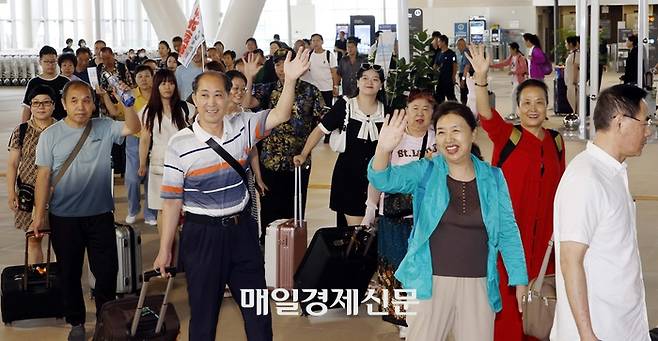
column 430, row 201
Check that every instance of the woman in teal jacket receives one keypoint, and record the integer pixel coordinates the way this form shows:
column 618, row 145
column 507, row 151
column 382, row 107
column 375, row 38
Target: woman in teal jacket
column 463, row 218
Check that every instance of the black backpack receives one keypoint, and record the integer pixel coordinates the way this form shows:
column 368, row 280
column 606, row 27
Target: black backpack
column 515, row 137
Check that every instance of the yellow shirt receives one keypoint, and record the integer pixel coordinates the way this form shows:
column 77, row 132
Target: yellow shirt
column 140, row 103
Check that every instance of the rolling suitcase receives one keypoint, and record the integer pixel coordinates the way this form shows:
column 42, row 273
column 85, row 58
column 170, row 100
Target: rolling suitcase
column 30, row 292
column 140, row 318
column 337, row 258
column 285, row 243
column 129, row 252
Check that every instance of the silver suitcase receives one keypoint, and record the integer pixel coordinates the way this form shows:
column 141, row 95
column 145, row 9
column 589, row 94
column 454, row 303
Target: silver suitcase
column 129, row 251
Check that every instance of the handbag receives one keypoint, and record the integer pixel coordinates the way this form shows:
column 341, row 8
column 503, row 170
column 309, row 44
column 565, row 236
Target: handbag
column 25, row 196
column 338, row 137
column 399, row 205
column 539, row 302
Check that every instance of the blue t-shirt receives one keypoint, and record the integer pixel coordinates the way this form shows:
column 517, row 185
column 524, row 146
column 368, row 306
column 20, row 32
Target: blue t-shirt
column 445, row 60
column 184, row 78
column 85, row 189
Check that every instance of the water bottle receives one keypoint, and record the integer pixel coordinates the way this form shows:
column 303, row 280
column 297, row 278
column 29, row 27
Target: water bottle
column 126, row 96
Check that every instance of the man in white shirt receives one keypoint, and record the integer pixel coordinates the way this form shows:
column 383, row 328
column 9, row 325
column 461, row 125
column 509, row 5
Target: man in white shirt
column 324, row 70
column 600, row 291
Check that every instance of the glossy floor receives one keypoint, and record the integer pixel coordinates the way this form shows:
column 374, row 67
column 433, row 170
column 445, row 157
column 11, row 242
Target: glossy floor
column 643, row 182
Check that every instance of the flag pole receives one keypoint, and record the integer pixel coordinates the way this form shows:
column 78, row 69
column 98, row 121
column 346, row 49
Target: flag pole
column 203, row 58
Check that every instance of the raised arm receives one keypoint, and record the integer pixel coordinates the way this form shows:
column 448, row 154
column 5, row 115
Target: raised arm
column 480, row 65
column 251, row 69
column 293, row 70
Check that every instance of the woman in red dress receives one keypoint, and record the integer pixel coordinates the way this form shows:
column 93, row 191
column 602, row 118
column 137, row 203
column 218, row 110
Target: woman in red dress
column 532, row 160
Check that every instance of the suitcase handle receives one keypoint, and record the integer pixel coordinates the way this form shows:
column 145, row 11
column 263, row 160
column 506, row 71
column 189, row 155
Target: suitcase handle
column 142, row 296
column 298, row 217
column 28, row 235
column 155, row 273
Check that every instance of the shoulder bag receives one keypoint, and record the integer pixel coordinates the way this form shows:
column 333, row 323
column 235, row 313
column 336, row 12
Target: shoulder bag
column 539, row 302
column 338, row 137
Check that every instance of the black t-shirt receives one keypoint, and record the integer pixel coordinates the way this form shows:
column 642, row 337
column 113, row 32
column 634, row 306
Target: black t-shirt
column 57, row 85
column 342, row 45
column 445, row 61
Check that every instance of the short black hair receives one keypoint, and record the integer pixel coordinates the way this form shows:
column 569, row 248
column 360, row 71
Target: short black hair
column 277, row 43
column 46, row 50
column 100, row 41
column 215, row 66
column 573, row 40
column 143, row 67
column 165, row 43
column 41, row 90
column 633, row 39
column 220, row 75
column 230, row 53
column 444, row 39
column 232, row 74
column 69, row 40
column 251, row 39
column 317, row 35
column 531, row 83
column 218, row 42
column 81, row 41
column 620, row 99
column 456, row 108
column 276, row 36
column 259, row 51
column 67, row 56
column 82, row 50
column 436, row 34
column 514, row 46
column 177, row 38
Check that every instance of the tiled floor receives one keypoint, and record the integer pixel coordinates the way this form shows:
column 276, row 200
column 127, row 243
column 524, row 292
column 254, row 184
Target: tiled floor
column 643, row 172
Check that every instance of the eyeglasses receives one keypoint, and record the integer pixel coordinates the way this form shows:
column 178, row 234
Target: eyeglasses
column 368, row 66
column 648, row 123
column 37, row 104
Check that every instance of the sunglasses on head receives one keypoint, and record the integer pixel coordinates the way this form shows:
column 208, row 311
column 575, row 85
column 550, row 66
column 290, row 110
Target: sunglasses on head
column 368, row 66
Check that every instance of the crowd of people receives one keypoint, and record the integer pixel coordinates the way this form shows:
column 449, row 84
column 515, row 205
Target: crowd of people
column 207, row 139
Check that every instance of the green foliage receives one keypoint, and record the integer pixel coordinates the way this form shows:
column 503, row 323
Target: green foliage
column 418, row 73
column 562, row 51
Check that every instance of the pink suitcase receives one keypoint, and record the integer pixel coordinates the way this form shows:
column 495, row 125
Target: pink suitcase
column 285, row 244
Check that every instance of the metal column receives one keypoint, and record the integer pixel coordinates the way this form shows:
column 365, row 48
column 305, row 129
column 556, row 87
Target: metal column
column 642, row 39
column 593, row 62
column 581, row 17
column 403, row 29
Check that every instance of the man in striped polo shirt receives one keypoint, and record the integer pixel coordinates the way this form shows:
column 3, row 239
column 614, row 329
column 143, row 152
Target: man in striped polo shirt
column 219, row 242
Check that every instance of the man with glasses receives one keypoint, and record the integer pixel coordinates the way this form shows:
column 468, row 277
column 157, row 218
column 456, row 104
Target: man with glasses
column 284, row 142
column 600, row 291
column 49, row 78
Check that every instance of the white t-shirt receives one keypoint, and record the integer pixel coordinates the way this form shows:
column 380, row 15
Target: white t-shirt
column 408, row 150
column 593, row 206
column 320, row 72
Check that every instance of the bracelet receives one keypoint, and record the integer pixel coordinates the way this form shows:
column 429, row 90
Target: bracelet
column 482, row 85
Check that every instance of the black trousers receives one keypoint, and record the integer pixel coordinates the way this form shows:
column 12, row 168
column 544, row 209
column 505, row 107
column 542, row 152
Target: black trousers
column 463, row 91
column 71, row 235
column 278, row 201
column 328, row 97
column 445, row 90
column 215, row 255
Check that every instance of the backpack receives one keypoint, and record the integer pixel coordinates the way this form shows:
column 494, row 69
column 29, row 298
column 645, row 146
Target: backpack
column 328, row 57
column 547, row 66
column 515, row 137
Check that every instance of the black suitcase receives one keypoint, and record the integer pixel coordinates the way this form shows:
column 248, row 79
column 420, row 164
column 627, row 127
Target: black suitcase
column 30, row 292
column 337, row 258
column 140, row 318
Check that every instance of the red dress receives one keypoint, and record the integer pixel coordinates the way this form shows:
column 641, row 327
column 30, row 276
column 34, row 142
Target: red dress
column 532, row 193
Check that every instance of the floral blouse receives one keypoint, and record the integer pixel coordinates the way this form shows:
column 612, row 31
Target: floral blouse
column 288, row 139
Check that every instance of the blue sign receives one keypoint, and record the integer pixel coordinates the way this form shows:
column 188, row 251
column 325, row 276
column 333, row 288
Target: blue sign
column 461, row 30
